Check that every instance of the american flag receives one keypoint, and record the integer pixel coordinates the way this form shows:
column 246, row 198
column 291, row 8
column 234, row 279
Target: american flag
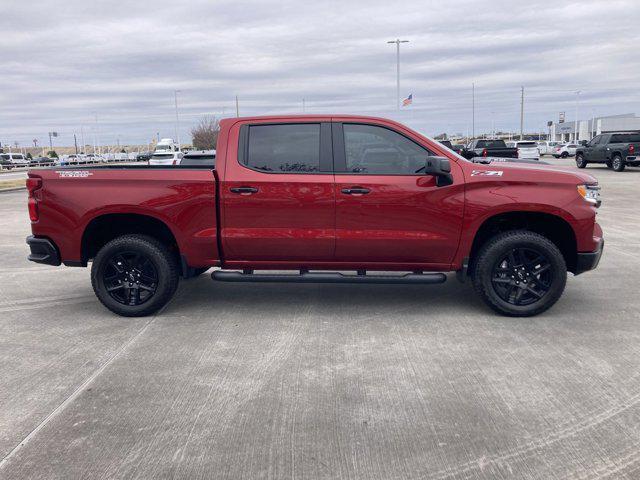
column 407, row 101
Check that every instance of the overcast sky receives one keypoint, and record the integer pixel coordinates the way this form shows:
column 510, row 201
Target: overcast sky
column 63, row 62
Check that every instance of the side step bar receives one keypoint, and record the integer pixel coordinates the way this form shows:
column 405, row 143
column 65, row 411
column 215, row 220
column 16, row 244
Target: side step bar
column 328, row 277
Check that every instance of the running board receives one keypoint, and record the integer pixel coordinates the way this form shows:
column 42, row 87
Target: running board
column 322, row 277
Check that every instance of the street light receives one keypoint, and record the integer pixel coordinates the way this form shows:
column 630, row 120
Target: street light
column 175, row 93
column 575, row 129
column 397, row 41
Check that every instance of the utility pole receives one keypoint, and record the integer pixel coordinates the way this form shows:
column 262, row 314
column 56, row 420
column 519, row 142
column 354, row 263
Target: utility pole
column 175, row 94
column 397, row 41
column 82, row 137
column 237, row 107
column 575, row 128
column 96, row 142
column 302, row 104
column 473, row 111
column 521, row 112
column 75, row 142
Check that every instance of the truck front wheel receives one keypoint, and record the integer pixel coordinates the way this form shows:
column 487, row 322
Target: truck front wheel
column 519, row 273
column 134, row 275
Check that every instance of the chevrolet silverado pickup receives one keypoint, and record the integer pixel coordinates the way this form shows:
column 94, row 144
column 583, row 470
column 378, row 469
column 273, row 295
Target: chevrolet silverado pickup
column 489, row 148
column 617, row 150
column 344, row 199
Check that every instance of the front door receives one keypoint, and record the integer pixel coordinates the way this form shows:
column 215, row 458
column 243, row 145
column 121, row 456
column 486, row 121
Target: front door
column 387, row 212
column 277, row 195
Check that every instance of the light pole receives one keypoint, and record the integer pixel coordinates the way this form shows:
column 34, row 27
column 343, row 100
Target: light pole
column 575, row 128
column 397, row 41
column 175, row 94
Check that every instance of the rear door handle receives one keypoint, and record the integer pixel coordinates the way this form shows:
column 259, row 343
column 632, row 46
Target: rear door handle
column 243, row 190
column 355, row 191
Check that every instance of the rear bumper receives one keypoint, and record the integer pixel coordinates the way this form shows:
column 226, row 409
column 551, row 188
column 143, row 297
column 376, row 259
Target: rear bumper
column 589, row 260
column 43, row 251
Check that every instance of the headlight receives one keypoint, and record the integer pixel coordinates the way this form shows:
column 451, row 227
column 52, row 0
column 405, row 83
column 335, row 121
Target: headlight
column 591, row 193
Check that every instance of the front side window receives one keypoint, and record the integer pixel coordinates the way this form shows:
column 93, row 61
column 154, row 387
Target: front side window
column 377, row 150
column 595, row 140
column 293, row 148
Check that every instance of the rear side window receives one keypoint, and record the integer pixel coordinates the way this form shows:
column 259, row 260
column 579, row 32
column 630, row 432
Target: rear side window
column 377, row 150
column 527, row 144
column 490, row 144
column 625, row 138
column 291, row 148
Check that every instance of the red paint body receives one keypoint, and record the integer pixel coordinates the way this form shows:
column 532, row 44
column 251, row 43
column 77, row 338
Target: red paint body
column 297, row 220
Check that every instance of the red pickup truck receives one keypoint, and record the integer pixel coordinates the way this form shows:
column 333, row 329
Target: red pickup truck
column 319, row 197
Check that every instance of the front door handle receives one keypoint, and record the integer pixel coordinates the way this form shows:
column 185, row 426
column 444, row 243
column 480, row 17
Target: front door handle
column 244, row 190
column 355, row 191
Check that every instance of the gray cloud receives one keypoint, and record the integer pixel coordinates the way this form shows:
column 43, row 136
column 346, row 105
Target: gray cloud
column 64, row 62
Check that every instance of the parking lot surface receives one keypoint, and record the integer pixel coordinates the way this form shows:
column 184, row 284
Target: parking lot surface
column 322, row 381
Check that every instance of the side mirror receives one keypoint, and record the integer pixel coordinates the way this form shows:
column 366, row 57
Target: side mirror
column 440, row 167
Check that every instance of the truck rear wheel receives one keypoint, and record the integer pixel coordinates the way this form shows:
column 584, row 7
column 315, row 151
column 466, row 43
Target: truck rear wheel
column 519, row 273
column 617, row 163
column 134, row 275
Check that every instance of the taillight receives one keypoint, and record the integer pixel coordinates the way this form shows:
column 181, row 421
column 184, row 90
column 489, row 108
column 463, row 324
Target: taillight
column 485, row 152
column 174, row 162
column 33, row 184
column 632, row 149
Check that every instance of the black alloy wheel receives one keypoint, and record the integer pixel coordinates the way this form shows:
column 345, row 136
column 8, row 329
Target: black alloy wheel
column 130, row 278
column 522, row 277
column 134, row 275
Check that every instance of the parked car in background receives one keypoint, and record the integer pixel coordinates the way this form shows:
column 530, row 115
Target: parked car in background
column 617, row 150
column 318, row 195
column 199, row 158
column 42, row 161
column 165, row 158
column 489, row 148
column 527, row 149
column 547, row 147
column 143, row 156
column 565, row 150
column 453, row 146
column 14, row 159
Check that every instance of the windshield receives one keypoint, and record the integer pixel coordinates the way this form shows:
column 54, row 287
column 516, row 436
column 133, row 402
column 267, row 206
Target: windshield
column 162, row 156
column 163, row 147
column 5, row 157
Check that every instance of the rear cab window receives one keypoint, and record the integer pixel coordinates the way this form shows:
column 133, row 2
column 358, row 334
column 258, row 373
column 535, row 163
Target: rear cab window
column 625, row 138
column 282, row 148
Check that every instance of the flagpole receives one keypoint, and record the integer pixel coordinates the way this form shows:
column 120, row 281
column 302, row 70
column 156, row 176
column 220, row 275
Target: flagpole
column 397, row 41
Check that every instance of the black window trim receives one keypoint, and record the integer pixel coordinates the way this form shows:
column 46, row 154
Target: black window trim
column 326, row 150
column 340, row 156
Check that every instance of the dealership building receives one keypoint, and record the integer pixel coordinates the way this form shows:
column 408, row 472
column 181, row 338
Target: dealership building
column 587, row 129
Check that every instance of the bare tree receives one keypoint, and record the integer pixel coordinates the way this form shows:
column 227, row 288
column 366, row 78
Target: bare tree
column 205, row 134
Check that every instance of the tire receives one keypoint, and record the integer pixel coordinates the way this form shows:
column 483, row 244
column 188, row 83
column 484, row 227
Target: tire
column 564, row 154
column 617, row 163
column 500, row 273
column 136, row 260
column 609, row 164
column 580, row 161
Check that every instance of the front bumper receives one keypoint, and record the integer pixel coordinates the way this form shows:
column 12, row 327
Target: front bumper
column 43, row 251
column 589, row 260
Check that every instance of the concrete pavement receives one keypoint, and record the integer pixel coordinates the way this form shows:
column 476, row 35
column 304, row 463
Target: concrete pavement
column 322, row 381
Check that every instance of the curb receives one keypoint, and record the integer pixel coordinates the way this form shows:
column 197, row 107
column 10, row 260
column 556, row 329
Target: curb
column 12, row 189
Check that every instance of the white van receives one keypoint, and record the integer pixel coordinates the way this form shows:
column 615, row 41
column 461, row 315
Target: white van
column 14, row 158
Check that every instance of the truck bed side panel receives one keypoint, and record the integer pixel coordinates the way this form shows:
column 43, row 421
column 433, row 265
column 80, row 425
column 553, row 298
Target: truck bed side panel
column 184, row 199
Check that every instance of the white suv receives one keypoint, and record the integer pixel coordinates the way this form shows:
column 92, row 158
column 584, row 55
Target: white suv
column 165, row 158
column 527, row 149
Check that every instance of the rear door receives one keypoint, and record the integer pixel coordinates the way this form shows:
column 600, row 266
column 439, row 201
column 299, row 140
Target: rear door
column 387, row 212
column 277, row 194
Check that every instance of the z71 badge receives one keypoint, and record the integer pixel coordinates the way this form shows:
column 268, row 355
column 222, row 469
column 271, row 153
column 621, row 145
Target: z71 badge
column 73, row 173
column 486, row 173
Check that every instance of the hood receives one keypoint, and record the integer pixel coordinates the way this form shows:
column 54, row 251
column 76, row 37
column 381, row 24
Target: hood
column 531, row 172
